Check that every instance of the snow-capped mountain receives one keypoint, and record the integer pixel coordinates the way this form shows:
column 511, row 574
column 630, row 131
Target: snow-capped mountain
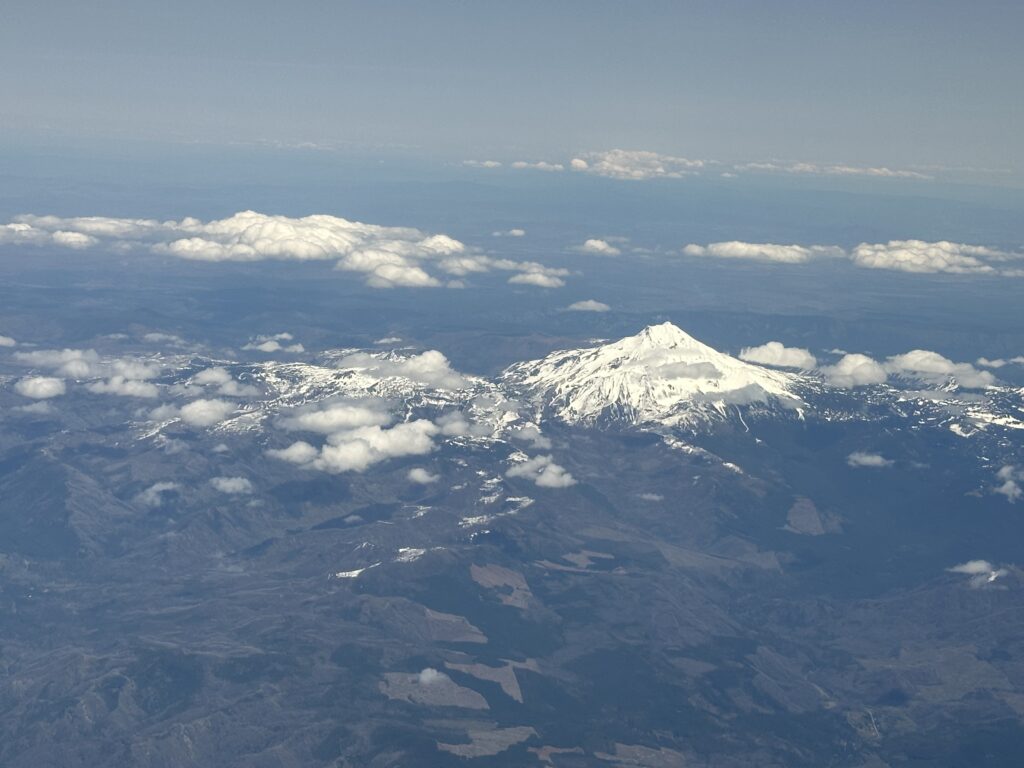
column 662, row 375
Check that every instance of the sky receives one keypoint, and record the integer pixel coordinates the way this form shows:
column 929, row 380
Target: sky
column 908, row 85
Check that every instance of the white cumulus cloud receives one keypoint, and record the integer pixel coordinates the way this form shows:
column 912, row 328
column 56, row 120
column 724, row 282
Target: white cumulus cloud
column 387, row 257
column 777, row 354
column 299, row 452
column 783, row 254
column 543, row 471
column 7, row 341
column 539, row 279
column 40, row 387
column 206, row 413
column 597, row 247
column 921, row 256
column 430, row 368
column 75, row 363
column 421, row 476
column 854, row 370
column 124, row 387
column 358, row 449
column 936, row 369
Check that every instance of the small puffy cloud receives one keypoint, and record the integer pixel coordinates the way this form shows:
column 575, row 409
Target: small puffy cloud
column 854, row 370
column 272, row 343
column 530, row 433
column 455, row 424
column 124, row 387
column 598, row 247
column 388, row 340
column 635, row 165
column 7, row 341
column 225, row 384
column 356, row 438
column 40, row 387
column 299, row 452
column 859, row 459
column 429, row 676
column 1009, row 479
column 217, row 376
column 981, row 572
column 125, row 373
column 76, row 363
column 541, row 165
column 985, row 362
column 358, row 449
column 23, row 233
column 164, row 338
column 923, row 257
column 206, row 413
column 232, row 485
column 588, row 305
column 421, row 476
column 481, row 163
column 38, row 408
column 783, row 254
column 777, row 354
column 539, row 279
column 652, row 497
column 514, row 232
column 154, row 495
column 934, row 368
column 543, row 471
column 336, row 416
column 430, row 368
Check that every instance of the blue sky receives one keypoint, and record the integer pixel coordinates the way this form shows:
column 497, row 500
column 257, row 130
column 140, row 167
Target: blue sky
column 908, row 84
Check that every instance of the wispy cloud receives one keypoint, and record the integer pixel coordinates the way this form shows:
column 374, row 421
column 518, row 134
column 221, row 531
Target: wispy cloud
column 635, row 165
column 1009, row 479
column 859, row 459
column 981, row 572
column 588, row 305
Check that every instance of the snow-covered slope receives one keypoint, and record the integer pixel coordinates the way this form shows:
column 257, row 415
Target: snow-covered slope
column 660, row 375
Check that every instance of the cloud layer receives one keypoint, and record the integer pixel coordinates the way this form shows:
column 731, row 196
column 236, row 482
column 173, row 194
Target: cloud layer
column 387, row 257
column 642, row 165
column 916, row 256
column 635, row 165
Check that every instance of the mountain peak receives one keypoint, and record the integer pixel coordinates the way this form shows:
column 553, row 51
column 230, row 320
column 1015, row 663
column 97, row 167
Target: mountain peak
column 664, row 334
column 660, row 374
